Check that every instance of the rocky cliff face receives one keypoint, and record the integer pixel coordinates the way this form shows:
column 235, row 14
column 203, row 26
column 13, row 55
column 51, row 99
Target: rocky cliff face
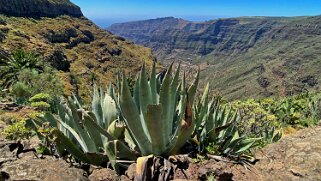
column 39, row 8
column 241, row 57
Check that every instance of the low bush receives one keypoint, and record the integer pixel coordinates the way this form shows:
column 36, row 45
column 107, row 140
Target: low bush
column 17, row 131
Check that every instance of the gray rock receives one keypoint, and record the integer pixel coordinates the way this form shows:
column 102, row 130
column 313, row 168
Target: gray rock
column 29, row 168
column 103, row 175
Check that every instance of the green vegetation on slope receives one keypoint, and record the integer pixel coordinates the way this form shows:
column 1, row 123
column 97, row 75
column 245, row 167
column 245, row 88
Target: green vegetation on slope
column 78, row 49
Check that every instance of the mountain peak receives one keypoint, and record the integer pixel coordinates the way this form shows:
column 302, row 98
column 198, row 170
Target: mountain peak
column 39, row 8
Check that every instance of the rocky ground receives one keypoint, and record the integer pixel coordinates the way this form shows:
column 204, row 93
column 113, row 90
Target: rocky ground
column 294, row 157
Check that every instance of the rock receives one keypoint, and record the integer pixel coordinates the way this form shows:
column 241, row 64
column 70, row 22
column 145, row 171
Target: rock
column 115, row 51
column 4, row 176
column 309, row 80
column 219, row 170
column 59, row 60
column 105, row 174
column 77, row 41
column 39, row 8
column 6, row 153
column 62, row 36
column 131, row 171
column 263, row 82
column 9, row 106
column 48, row 169
column 19, row 162
column 294, row 157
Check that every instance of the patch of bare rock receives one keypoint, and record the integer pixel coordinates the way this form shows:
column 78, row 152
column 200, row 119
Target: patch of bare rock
column 294, row 157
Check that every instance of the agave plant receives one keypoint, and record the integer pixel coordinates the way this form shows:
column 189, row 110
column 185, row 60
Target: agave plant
column 159, row 114
column 271, row 135
column 11, row 67
column 89, row 136
column 216, row 127
column 158, row 118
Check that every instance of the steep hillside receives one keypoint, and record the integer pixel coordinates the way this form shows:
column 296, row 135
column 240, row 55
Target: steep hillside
column 73, row 45
column 241, row 57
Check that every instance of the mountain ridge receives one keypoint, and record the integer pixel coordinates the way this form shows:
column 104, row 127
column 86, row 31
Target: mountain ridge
column 39, row 8
column 241, row 57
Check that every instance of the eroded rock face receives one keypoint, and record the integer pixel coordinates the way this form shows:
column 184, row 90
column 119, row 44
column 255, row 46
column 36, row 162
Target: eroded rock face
column 39, row 8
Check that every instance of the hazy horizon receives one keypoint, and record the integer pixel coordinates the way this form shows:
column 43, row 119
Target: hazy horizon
column 107, row 12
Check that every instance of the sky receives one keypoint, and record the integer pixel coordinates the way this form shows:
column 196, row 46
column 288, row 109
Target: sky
column 107, row 12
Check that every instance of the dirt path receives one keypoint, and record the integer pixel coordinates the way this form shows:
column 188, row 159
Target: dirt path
column 294, row 157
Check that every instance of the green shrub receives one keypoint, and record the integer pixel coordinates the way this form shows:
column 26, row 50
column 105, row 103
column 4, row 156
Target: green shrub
column 43, row 106
column 41, row 101
column 297, row 111
column 3, row 21
column 17, row 131
column 12, row 66
column 40, row 97
column 46, row 82
column 44, row 86
column 21, row 92
column 255, row 117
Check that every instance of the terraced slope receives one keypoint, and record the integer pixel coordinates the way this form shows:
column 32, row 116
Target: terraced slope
column 241, row 57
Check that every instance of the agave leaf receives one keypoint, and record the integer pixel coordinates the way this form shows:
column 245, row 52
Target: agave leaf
column 96, row 105
column 109, row 111
column 62, row 141
column 153, row 85
column 93, row 123
column 51, row 119
column 186, row 129
column 136, row 94
column 129, row 140
column 132, row 118
column 79, row 139
column 145, row 95
column 165, row 101
column 116, row 131
column 142, row 167
column 34, row 125
column 116, row 150
column 92, row 131
column 91, row 147
column 246, row 144
column 154, row 124
column 192, row 89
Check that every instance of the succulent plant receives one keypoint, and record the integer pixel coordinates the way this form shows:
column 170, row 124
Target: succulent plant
column 158, row 119
column 216, row 127
column 84, row 134
column 159, row 114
